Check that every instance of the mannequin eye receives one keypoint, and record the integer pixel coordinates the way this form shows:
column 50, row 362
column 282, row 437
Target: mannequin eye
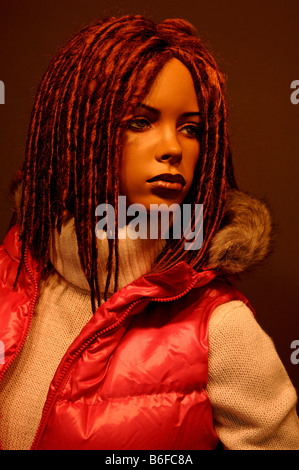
column 191, row 130
column 139, row 124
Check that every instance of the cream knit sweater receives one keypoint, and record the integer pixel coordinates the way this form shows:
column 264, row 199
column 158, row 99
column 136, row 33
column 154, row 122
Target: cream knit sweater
column 252, row 397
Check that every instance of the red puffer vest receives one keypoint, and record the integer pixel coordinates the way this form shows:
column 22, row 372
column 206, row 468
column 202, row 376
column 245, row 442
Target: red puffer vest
column 136, row 376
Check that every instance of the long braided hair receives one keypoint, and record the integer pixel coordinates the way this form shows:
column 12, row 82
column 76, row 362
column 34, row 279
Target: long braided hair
column 74, row 146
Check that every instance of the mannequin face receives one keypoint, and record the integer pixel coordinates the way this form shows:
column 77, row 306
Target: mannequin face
column 162, row 139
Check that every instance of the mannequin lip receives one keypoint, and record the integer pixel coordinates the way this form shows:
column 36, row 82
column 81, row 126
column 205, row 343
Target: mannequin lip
column 169, row 178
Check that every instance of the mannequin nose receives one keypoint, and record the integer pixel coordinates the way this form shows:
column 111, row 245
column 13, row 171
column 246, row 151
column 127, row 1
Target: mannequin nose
column 169, row 148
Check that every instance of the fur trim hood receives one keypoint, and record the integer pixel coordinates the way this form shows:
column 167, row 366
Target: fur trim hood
column 246, row 236
column 243, row 241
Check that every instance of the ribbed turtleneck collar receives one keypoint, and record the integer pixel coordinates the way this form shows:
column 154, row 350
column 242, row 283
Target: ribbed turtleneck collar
column 136, row 257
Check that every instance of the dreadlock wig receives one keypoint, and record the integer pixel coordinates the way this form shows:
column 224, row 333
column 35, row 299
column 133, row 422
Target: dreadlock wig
column 74, row 146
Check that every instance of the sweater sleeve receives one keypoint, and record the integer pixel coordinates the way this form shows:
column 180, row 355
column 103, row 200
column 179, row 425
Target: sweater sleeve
column 252, row 397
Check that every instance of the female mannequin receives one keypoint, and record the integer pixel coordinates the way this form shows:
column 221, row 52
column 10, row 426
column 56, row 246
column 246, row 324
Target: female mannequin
column 118, row 343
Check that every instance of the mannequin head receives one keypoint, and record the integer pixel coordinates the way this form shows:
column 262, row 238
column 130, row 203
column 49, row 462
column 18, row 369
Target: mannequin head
column 83, row 145
column 162, row 138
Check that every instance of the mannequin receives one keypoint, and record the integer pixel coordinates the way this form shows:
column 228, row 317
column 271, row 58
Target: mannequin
column 135, row 343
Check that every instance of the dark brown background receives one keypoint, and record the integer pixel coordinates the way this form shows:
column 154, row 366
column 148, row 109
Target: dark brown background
column 256, row 44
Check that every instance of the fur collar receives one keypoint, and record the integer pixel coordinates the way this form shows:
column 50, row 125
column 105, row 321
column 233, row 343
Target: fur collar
column 246, row 235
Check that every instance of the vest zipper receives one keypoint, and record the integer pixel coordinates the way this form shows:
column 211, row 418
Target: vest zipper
column 30, row 315
column 50, row 401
